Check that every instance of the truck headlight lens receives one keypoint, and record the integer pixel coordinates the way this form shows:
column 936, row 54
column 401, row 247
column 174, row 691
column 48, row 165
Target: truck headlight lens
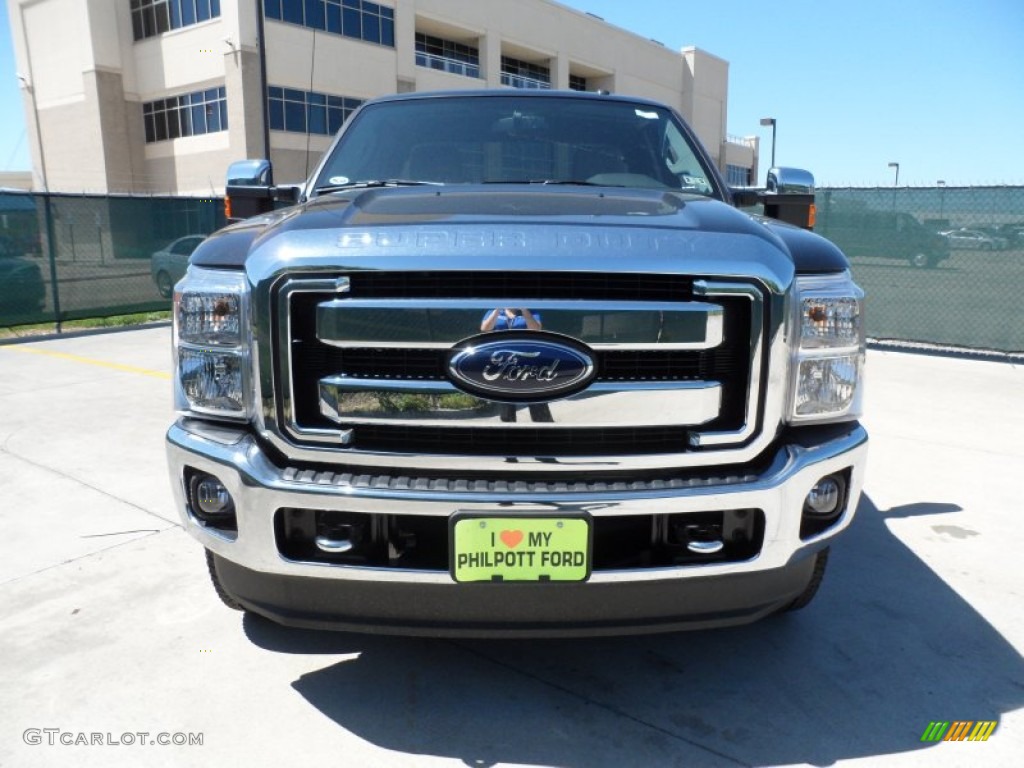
column 826, row 385
column 829, row 322
column 212, row 381
column 211, row 344
column 210, row 318
column 828, row 349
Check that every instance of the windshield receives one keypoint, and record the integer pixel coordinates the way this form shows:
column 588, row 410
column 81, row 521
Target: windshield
column 502, row 140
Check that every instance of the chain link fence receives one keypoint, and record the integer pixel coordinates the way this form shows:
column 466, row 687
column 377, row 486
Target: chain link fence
column 940, row 265
column 66, row 257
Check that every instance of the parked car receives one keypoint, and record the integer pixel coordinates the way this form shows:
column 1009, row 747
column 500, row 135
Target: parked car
column 22, row 290
column 975, row 240
column 168, row 265
column 865, row 232
column 1012, row 232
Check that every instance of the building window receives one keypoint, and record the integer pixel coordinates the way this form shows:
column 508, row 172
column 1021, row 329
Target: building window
column 524, row 74
column 305, row 111
column 738, row 175
column 191, row 114
column 577, row 83
column 358, row 19
column 154, row 17
column 447, row 55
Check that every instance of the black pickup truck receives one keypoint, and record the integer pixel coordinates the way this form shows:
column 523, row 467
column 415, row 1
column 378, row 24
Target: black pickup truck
column 516, row 364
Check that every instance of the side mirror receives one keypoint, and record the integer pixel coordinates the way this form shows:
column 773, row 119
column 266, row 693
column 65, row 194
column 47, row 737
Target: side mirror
column 790, row 181
column 788, row 195
column 250, row 190
column 250, row 173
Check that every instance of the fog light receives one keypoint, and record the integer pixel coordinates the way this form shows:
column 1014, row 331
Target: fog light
column 210, row 502
column 824, row 496
column 212, row 497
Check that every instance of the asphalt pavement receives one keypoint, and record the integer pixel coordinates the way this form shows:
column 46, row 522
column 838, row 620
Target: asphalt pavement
column 112, row 640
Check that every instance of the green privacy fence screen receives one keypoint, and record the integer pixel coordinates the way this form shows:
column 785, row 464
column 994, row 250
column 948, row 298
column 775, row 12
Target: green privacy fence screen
column 65, row 257
column 939, row 265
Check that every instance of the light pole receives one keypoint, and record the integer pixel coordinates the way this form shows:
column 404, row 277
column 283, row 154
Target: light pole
column 896, row 183
column 770, row 121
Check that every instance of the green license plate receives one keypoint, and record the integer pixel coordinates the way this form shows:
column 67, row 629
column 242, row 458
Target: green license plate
column 520, row 548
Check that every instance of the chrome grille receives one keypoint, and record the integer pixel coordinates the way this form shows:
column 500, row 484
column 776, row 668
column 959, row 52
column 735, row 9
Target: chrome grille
column 397, row 389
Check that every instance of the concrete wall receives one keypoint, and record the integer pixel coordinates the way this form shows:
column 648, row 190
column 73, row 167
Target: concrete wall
column 339, row 66
column 53, row 89
column 707, row 98
column 177, row 60
column 189, row 166
column 16, row 180
column 245, row 105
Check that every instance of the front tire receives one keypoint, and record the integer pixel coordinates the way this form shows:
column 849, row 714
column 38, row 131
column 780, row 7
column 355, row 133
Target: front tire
column 805, row 597
column 225, row 598
column 922, row 261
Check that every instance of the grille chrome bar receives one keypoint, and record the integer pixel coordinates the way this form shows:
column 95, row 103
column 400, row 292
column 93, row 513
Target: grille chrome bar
column 753, row 394
column 440, row 323
column 349, row 402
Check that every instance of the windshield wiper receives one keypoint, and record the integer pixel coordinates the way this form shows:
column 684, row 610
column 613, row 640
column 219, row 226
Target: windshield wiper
column 376, row 183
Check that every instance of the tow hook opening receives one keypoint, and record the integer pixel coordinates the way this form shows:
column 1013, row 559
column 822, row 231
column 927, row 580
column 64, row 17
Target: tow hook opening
column 713, row 536
column 339, row 535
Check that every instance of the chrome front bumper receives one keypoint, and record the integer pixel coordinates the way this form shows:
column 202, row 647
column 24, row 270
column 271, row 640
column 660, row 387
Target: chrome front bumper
column 260, row 488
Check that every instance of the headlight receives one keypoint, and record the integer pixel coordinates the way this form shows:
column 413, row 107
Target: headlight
column 828, row 350
column 211, row 344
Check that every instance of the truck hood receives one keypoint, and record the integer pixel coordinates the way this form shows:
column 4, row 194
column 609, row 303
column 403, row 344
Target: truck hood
column 493, row 222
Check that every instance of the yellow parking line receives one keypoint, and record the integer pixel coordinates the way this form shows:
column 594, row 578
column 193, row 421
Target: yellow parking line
column 90, row 361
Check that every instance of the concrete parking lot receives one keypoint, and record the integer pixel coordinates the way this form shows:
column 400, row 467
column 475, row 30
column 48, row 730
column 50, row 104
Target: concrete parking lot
column 109, row 625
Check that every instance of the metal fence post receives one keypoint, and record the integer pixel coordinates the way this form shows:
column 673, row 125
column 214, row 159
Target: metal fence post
column 99, row 235
column 51, row 249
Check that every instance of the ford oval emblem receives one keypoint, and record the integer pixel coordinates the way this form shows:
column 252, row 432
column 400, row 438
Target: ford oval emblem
column 521, row 366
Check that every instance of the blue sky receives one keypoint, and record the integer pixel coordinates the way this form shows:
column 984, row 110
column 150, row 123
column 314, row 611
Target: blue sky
column 936, row 86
